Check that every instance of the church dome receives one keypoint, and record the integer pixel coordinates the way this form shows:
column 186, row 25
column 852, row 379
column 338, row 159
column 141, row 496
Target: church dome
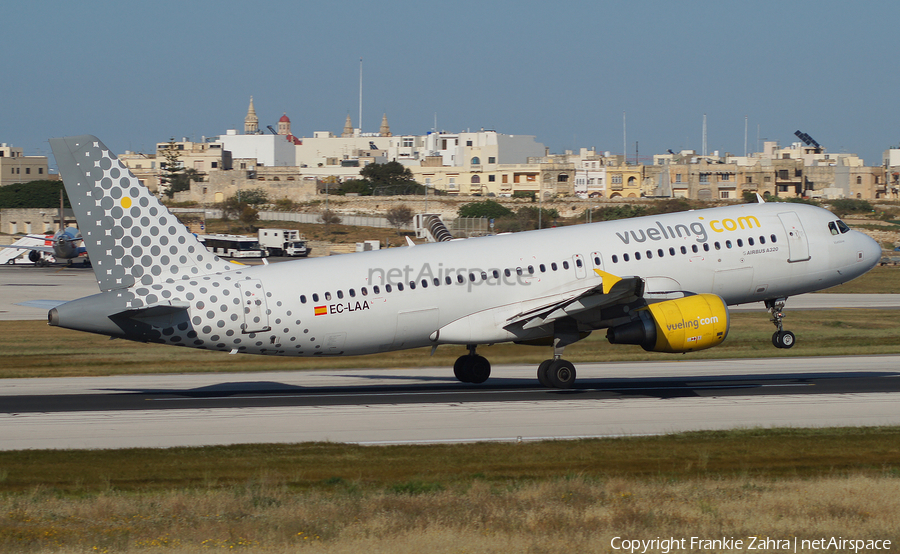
column 284, row 119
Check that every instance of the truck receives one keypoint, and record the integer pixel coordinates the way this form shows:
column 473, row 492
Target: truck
column 284, row 242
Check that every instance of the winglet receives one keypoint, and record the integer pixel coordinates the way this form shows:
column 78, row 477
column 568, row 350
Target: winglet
column 608, row 280
column 759, row 199
column 409, row 242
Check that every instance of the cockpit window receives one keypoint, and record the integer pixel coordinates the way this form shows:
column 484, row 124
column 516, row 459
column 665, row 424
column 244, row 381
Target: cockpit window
column 832, row 226
column 842, row 226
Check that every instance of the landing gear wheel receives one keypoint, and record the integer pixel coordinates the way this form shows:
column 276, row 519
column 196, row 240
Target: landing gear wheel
column 472, row 368
column 460, row 369
column 561, row 374
column 542, row 376
column 783, row 339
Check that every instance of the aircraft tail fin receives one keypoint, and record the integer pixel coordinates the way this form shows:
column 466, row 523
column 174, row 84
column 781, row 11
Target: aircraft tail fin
column 130, row 236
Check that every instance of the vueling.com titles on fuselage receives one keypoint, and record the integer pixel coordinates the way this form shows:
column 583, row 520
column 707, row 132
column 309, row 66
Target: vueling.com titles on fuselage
column 695, row 229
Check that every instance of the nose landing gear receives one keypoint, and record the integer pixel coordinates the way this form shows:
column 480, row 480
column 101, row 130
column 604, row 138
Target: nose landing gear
column 472, row 368
column 781, row 338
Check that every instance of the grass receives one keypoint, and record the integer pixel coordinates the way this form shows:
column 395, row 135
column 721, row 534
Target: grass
column 32, row 349
column 533, row 497
column 880, row 280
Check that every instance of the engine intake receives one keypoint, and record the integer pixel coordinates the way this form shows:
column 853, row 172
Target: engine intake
column 682, row 325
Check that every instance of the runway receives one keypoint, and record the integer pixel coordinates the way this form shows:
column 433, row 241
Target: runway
column 379, row 406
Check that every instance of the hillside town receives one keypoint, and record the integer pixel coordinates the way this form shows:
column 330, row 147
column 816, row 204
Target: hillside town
column 485, row 163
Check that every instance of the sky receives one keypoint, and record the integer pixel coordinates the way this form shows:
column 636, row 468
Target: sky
column 138, row 73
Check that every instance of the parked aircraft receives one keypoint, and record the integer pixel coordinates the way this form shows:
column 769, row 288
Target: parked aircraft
column 62, row 245
column 660, row 282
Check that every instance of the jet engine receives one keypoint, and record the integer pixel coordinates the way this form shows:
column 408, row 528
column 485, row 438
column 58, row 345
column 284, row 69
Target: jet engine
column 681, row 325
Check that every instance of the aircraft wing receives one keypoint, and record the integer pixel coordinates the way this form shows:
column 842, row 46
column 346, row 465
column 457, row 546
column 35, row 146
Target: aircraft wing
column 613, row 290
column 41, row 248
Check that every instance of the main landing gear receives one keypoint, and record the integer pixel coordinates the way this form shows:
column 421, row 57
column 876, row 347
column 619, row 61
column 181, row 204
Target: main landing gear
column 472, row 368
column 781, row 338
column 554, row 373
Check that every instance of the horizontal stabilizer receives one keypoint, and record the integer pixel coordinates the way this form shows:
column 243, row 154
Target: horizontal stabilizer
column 42, row 304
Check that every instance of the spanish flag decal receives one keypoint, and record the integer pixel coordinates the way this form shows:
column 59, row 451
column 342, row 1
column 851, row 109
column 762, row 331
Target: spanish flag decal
column 321, row 310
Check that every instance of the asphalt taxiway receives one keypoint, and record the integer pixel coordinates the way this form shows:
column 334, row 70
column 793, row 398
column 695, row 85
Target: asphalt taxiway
column 380, row 406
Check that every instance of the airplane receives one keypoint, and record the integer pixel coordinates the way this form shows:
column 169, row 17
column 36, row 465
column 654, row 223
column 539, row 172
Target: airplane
column 661, row 282
column 61, row 245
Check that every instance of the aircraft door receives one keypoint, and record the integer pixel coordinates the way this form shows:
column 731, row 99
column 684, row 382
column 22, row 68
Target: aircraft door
column 798, row 246
column 580, row 268
column 253, row 301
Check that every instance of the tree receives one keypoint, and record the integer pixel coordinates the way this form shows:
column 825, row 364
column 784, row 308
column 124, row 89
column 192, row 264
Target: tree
column 34, row 194
column 391, row 178
column 487, row 208
column 171, row 169
column 329, row 217
column 254, row 197
column 232, row 208
column 361, row 187
column 400, row 216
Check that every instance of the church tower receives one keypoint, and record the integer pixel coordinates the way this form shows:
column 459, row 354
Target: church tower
column 284, row 125
column 385, row 130
column 348, row 128
column 251, row 122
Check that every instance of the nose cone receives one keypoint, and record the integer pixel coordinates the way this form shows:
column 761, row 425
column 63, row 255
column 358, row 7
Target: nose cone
column 869, row 249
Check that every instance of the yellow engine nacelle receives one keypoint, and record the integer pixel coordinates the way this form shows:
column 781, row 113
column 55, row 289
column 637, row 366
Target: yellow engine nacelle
column 681, row 325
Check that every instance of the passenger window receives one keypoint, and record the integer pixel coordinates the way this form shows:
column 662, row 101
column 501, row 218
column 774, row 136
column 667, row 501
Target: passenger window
column 531, row 270
column 506, row 272
column 774, row 238
column 694, row 248
column 706, row 247
column 740, row 243
column 615, row 259
column 649, row 254
column 750, row 241
column 484, row 276
column 327, row 296
column 448, row 280
column 625, row 257
column 671, row 251
column 400, row 287
column 364, row 291
column 424, row 283
column 340, row 294
column 578, row 262
column 387, row 288
column 519, row 271
column 637, row 256
column 596, row 260
column 543, row 268
column 460, row 279
column 718, row 246
column 762, row 239
column 565, row 265
column 352, row 293
column 412, row 285
column 683, row 250
column 303, row 299
column 376, row 290
column 727, row 244
column 553, row 266
column 437, row 282
column 660, row 252
column 496, row 274
column 472, row 277
column 315, row 297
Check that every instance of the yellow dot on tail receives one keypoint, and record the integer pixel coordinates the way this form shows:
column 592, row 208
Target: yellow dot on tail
column 126, row 202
